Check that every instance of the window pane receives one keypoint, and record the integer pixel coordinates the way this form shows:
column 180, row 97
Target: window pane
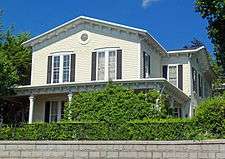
column 54, row 109
column 66, row 68
column 147, row 66
column 111, row 66
column 56, row 66
column 101, row 65
column 173, row 75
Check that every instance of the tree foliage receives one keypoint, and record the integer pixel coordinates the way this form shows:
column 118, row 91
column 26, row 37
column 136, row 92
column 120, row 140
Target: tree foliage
column 116, row 104
column 15, row 60
column 195, row 43
column 214, row 12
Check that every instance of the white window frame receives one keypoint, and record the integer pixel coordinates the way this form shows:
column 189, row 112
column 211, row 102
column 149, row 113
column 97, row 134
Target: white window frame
column 61, row 55
column 106, row 51
column 168, row 74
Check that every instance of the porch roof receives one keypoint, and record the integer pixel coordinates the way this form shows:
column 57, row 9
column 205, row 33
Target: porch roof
column 137, row 84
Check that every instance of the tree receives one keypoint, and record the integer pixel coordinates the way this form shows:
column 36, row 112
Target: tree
column 195, row 43
column 19, row 56
column 214, row 12
column 8, row 75
column 15, row 60
column 15, row 66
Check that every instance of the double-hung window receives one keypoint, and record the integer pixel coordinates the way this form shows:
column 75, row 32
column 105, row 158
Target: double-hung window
column 174, row 74
column 54, row 111
column 106, row 65
column 61, row 68
column 54, row 114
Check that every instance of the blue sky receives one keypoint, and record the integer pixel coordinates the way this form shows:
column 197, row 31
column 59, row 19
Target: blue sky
column 172, row 22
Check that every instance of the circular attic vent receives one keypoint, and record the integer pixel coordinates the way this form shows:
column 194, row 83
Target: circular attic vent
column 84, row 37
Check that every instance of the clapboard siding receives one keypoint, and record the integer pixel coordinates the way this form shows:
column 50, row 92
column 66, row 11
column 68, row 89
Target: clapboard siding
column 128, row 43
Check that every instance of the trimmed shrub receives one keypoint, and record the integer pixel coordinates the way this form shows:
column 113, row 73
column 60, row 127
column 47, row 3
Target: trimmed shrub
column 115, row 104
column 167, row 129
column 210, row 115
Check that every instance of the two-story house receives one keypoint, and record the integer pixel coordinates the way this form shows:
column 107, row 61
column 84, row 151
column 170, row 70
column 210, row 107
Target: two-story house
column 85, row 53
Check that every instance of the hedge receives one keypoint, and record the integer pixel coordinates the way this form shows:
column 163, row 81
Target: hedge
column 166, row 129
column 210, row 115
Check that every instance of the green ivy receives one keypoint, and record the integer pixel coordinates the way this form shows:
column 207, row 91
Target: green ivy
column 116, row 104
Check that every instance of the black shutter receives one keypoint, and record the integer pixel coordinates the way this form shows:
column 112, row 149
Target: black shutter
column 49, row 69
column 119, row 64
column 165, row 68
column 144, row 65
column 62, row 109
column 93, row 66
column 72, row 68
column 180, row 77
column 47, row 111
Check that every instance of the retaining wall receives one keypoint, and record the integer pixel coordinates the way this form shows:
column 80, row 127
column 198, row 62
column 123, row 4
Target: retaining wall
column 114, row 149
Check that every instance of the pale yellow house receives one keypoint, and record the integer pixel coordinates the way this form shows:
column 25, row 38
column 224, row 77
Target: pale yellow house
column 85, row 53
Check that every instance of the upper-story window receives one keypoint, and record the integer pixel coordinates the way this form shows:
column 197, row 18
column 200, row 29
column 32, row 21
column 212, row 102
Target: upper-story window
column 61, row 68
column 146, row 65
column 174, row 74
column 106, row 64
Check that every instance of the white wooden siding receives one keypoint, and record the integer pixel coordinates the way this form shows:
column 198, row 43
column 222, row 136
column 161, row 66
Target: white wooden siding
column 128, row 43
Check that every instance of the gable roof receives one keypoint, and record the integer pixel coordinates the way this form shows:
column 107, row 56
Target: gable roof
column 199, row 51
column 80, row 19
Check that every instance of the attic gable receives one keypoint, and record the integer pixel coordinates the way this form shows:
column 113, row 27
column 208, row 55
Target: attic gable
column 76, row 24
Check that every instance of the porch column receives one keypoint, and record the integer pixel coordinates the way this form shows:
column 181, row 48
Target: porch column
column 31, row 98
column 190, row 109
column 70, row 96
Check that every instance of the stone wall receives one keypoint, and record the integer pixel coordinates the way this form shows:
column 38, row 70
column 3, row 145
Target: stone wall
column 114, row 149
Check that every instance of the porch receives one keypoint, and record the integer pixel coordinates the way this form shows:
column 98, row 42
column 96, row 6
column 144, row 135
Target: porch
column 46, row 102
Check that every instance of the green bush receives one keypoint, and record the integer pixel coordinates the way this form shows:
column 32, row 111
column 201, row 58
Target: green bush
column 166, row 129
column 210, row 115
column 115, row 104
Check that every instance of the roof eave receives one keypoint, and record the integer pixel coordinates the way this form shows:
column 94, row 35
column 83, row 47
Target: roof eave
column 29, row 42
